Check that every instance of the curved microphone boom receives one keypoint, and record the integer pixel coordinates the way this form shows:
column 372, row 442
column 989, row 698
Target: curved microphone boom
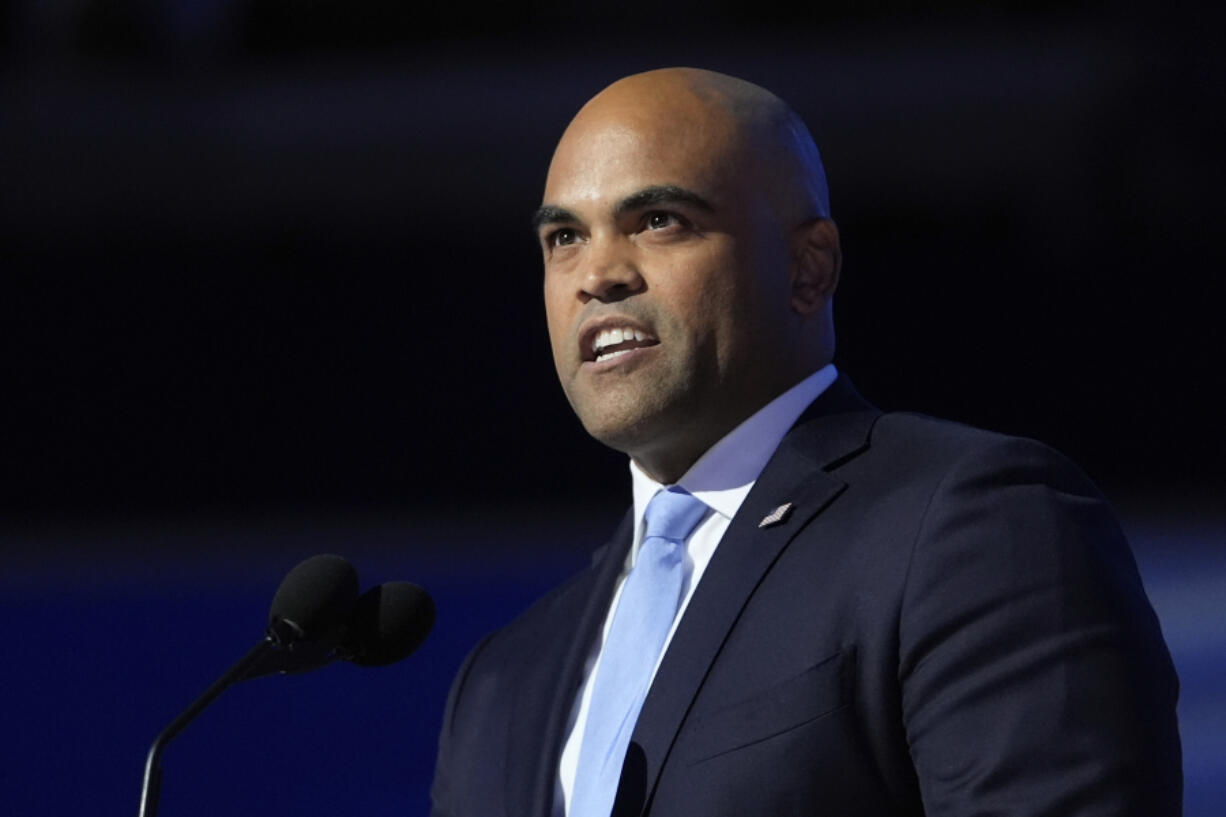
column 315, row 618
column 307, row 621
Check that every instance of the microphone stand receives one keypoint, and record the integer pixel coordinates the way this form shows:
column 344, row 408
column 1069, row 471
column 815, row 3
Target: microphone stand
column 277, row 652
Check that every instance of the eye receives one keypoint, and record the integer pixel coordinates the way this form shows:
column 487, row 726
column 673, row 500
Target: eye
column 660, row 220
column 561, row 237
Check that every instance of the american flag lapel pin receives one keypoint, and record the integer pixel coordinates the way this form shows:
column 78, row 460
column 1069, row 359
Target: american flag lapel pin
column 776, row 516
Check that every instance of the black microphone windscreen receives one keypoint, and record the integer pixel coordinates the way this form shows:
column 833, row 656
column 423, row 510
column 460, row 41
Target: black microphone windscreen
column 317, row 595
column 389, row 622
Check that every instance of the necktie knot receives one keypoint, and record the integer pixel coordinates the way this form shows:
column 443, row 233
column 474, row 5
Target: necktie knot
column 672, row 514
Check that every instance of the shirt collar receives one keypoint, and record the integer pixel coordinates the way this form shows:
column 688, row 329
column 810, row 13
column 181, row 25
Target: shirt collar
column 723, row 476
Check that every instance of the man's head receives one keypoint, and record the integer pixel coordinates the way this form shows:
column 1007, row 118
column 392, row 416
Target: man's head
column 689, row 261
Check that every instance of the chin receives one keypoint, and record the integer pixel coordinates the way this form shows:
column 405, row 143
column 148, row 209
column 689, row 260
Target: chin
column 636, row 421
column 621, row 431
column 643, row 436
column 620, row 435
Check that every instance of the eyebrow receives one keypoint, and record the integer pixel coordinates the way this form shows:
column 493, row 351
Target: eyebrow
column 647, row 197
column 662, row 194
column 548, row 214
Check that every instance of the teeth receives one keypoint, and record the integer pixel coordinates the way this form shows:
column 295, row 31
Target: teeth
column 612, row 337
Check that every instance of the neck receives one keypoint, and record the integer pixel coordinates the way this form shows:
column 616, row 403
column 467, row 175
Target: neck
column 667, row 464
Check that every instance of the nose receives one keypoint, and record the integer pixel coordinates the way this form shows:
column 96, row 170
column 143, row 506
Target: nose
column 611, row 273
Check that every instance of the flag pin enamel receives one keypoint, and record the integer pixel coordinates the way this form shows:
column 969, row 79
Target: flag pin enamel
column 776, row 516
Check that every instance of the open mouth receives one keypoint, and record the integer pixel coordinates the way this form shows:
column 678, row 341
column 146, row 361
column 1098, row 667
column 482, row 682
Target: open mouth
column 612, row 342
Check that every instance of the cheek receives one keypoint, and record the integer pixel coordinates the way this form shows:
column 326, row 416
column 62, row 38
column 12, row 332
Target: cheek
column 712, row 294
column 557, row 322
column 729, row 311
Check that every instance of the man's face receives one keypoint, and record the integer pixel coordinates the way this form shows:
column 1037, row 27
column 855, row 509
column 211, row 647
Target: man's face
column 666, row 283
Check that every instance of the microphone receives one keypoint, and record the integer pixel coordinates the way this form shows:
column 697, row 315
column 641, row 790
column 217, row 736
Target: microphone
column 316, row 616
column 388, row 623
column 314, row 600
column 308, row 617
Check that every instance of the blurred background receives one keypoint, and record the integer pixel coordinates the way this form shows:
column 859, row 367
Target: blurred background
column 268, row 289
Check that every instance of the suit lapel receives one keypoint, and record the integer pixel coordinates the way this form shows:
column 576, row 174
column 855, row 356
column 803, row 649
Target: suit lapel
column 546, row 690
column 833, row 429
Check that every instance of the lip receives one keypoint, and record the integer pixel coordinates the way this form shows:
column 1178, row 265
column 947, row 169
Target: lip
column 626, row 361
column 592, row 328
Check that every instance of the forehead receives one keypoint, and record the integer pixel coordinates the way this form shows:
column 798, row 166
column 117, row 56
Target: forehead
column 613, row 151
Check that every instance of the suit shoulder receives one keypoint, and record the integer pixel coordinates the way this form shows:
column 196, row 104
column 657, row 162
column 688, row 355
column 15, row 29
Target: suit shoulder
column 563, row 604
column 547, row 625
column 538, row 619
column 939, row 446
column 938, row 433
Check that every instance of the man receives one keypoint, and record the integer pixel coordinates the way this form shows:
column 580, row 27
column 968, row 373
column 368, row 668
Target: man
column 863, row 613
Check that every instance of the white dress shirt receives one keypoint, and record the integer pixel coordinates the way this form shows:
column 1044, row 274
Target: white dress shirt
column 721, row 478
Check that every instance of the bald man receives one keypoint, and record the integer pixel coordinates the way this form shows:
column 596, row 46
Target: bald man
column 865, row 613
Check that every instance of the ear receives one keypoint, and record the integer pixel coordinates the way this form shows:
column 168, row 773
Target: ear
column 816, row 261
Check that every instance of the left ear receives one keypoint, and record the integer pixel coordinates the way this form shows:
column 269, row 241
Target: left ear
column 816, row 261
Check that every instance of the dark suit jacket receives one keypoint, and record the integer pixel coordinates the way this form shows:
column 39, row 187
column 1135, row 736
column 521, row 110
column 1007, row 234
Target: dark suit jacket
column 947, row 622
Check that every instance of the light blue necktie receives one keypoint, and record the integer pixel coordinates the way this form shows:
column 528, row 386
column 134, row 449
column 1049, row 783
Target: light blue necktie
column 644, row 615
